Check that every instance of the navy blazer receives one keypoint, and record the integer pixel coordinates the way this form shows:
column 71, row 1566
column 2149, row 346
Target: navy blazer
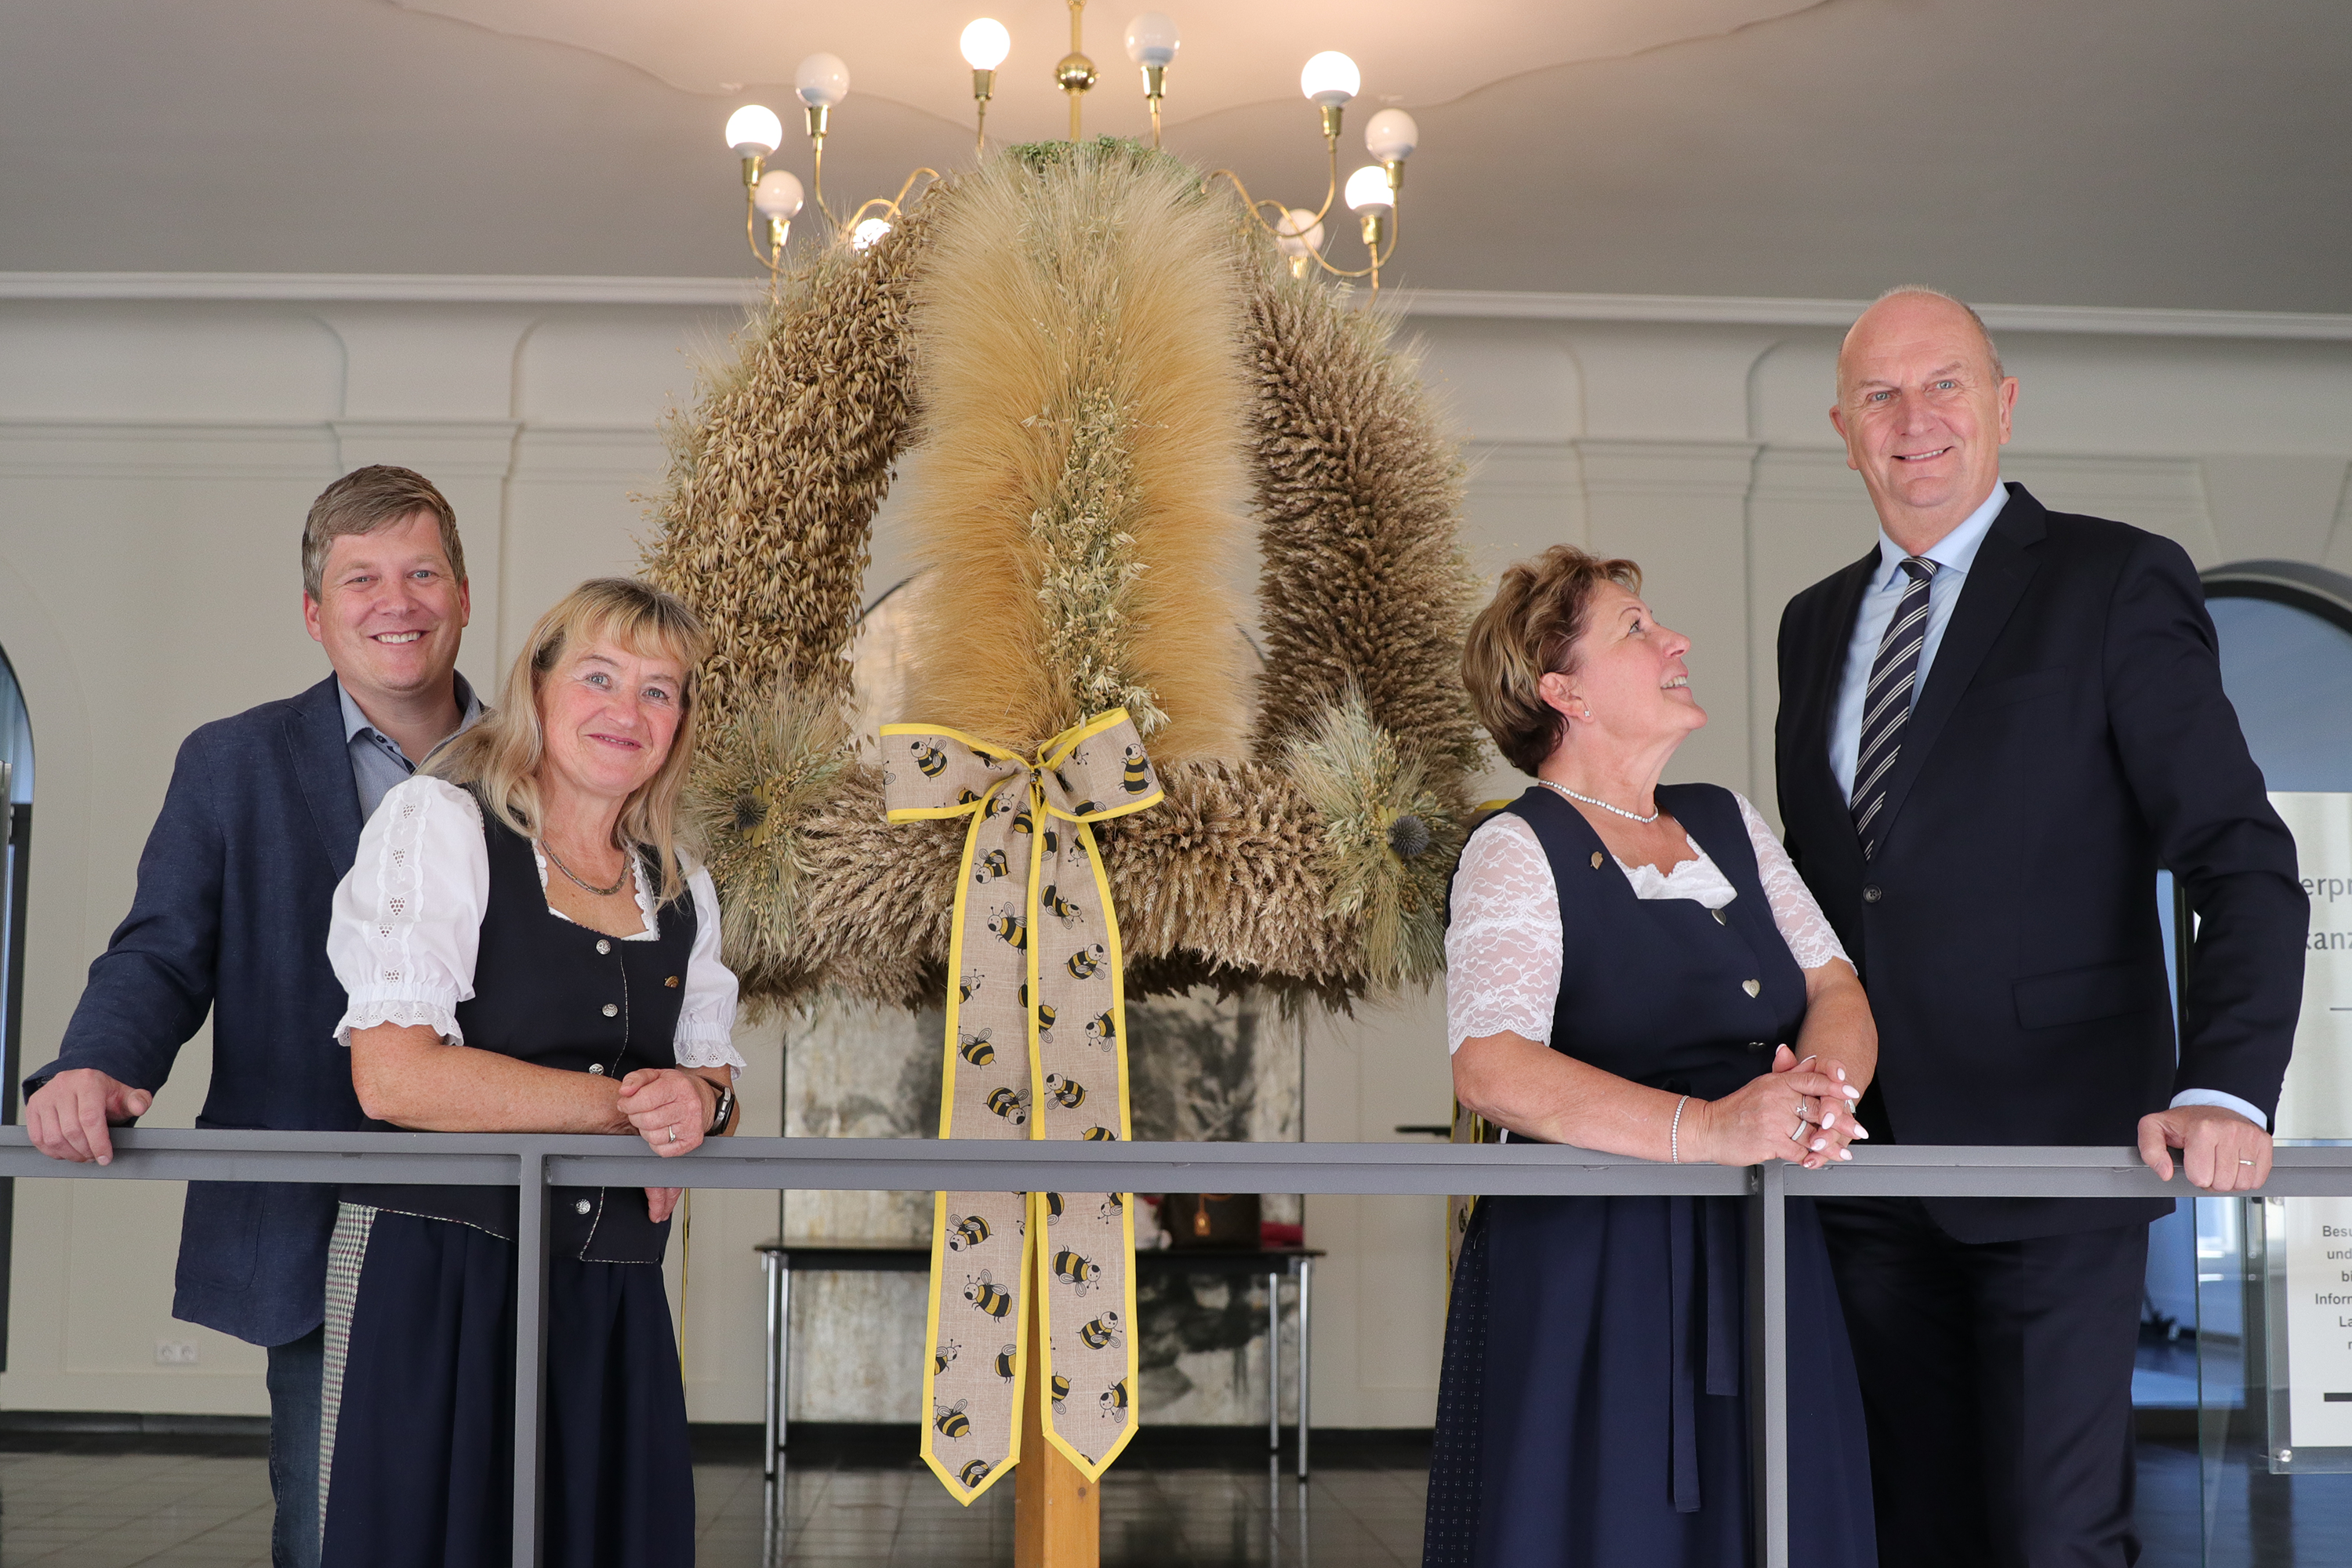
column 260, row 823
column 2072, row 738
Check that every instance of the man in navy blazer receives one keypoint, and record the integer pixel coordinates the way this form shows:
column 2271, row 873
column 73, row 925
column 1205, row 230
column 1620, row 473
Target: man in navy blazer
column 1994, row 728
column 260, row 822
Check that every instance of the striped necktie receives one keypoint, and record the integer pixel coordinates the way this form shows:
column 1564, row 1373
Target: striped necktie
column 1894, row 680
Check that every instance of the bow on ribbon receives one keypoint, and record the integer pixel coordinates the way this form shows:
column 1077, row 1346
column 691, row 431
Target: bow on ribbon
column 1036, row 1033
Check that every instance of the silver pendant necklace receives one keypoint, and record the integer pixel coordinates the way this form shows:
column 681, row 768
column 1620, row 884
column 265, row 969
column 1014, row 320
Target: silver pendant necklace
column 1603, row 805
column 583, row 883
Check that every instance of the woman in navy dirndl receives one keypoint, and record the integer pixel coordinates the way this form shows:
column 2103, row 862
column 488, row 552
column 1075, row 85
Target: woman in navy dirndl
column 525, row 950
column 1628, row 967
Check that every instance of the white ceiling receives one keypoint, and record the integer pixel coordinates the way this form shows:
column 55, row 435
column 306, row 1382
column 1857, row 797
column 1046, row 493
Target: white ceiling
column 2142, row 152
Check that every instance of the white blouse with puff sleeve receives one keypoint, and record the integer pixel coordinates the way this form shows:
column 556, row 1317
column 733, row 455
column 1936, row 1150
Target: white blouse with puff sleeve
column 408, row 921
column 1503, row 950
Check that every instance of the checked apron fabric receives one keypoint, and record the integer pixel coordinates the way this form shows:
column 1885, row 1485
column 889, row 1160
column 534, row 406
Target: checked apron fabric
column 1036, row 1049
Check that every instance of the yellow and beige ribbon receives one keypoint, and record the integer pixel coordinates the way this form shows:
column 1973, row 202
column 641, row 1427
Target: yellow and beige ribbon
column 1036, row 1048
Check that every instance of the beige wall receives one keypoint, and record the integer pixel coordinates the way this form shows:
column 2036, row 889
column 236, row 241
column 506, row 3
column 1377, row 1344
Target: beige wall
column 156, row 457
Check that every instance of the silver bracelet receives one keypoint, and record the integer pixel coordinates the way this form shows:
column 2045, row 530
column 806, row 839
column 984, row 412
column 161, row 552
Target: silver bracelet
column 1675, row 1134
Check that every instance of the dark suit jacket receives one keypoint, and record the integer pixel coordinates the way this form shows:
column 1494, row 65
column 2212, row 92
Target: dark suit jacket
column 2072, row 738
column 261, row 821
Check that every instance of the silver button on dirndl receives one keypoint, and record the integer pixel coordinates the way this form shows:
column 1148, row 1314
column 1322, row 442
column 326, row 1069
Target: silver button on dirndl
column 612, row 1011
column 582, row 1206
column 596, row 1067
column 603, row 946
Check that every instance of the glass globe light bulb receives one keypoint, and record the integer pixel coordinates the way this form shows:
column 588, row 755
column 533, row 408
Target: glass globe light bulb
column 754, row 132
column 1298, row 232
column 1367, row 190
column 777, row 195
column 1151, row 39
column 865, row 236
column 1330, row 79
column 985, row 44
column 822, row 81
column 1390, row 135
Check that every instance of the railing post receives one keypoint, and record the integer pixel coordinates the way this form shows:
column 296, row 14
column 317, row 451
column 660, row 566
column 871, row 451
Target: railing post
column 530, row 1357
column 1768, row 1360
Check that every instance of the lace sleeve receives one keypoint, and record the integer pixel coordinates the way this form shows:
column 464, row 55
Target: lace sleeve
column 1803, row 925
column 1503, row 948
column 407, row 918
column 706, row 1018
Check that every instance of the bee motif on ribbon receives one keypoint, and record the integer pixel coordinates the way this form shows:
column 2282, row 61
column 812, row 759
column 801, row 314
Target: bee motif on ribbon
column 1053, row 841
column 1083, row 808
column 976, row 1049
column 1006, row 1360
column 1012, row 927
column 1067, row 1093
column 1083, row 1273
column 1098, row 1135
column 982, row 1293
column 966, row 1230
column 952, row 1422
column 1114, row 1402
column 1061, row 1389
column 1087, row 959
column 1045, row 1017
column 947, row 1353
column 1111, row 1205
column 972, row 1475
column 929, row 758
column 968, row 986
column 1103, row 1331
column 1060, row 908
column 1053, row 1207
column 1102, row 1030
column 1023, row 822
column 1136, row 776
column 1063, row 780
column 990, row 866
column 1008, row 1103
column 967, row 797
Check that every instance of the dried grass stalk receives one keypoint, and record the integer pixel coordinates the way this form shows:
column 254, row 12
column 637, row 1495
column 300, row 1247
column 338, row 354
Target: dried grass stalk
column 1076, row 332
column 775, row 477
column 1359, row 493
column 1389, row 840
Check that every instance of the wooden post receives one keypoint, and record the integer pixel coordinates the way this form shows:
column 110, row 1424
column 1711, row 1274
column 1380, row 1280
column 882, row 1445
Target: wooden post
column 1056, row 1511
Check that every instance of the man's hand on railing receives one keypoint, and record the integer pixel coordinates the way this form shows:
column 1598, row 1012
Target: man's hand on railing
column 68, row 1117
column 2221, row 1150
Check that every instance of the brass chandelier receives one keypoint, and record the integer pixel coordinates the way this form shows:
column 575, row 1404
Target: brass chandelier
column 774, row 197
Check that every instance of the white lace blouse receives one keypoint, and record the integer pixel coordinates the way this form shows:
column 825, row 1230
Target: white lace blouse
column 1502, row 952
column 407, row 921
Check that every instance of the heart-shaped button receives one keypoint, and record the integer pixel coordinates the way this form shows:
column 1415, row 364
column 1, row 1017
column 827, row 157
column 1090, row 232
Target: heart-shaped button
column 1753, row 987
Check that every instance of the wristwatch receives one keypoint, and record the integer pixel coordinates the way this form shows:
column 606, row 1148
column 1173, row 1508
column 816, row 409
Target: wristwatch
column 723, row 1114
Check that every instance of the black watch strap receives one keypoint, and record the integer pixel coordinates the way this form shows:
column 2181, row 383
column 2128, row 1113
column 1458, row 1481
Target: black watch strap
column 721, row 1114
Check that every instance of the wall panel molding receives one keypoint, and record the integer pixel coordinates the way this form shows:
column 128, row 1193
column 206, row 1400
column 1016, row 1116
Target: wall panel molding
column 89, row 449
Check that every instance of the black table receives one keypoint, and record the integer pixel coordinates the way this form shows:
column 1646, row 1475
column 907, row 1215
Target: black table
column 779, row 1260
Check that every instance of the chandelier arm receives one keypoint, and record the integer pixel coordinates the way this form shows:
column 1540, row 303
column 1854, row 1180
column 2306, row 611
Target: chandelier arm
column 1251, row 205
column 751, row 234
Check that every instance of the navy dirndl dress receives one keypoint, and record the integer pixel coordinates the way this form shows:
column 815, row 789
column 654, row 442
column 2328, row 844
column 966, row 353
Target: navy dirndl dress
column 419, row 1443
column 1593, row 1409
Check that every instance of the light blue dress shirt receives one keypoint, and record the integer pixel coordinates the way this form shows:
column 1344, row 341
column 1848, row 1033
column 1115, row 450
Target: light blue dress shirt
column 1953, row 554
column 377, row 761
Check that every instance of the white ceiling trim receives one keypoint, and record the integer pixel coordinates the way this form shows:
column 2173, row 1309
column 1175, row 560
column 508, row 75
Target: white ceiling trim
column 297, row 288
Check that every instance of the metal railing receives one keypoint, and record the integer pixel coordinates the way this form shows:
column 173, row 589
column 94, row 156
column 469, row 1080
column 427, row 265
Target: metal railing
column 535, row 1162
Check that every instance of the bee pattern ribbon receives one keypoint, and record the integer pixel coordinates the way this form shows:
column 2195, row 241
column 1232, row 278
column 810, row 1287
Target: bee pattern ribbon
column 1036, row 1048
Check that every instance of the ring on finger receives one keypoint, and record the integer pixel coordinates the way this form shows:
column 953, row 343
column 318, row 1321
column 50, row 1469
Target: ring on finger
column 672, row 1134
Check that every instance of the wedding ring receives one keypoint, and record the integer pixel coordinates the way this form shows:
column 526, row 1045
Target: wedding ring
column 2245, row 1162
column 672, row 1134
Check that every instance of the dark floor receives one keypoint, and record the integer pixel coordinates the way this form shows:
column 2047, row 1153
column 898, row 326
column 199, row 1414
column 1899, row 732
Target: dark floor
column 110, row 1500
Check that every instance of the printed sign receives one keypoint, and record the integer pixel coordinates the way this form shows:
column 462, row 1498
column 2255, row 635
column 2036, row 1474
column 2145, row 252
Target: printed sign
column 2316, row 1102
column 2319, row 1321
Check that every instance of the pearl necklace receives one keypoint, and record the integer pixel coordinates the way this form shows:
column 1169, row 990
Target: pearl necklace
column 1603, row 805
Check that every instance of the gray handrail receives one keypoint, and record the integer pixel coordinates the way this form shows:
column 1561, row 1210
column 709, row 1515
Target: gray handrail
column 534, row 1162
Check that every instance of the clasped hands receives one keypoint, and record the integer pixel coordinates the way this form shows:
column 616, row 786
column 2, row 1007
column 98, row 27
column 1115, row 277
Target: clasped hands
column 1801, row 1111
column 670, row 1108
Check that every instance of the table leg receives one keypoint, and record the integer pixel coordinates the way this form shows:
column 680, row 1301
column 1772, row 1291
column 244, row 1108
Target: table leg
column 774, row 1402
column 783, row 1357
column 1274, row 1364
column 1306, row 1364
